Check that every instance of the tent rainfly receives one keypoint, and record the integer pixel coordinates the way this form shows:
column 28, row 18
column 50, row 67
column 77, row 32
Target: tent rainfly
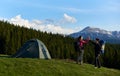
column 33, row 48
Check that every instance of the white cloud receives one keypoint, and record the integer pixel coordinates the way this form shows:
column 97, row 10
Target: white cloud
column 69, row 19
column 19, row 21
column 37, row 22
column 42, row 25
column 56, row 29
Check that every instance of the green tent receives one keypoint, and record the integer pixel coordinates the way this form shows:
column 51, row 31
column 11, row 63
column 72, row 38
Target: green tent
column 33, row 48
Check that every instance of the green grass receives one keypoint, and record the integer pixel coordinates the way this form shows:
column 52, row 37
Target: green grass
column 38, row 67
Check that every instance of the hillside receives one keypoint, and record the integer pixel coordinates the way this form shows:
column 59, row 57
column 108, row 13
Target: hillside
column 36, row 67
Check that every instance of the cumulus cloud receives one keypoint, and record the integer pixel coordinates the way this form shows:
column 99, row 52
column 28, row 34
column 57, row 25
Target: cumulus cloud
column 19, row 21
column 49, row 21
column 70, row 19
column 56, row 29
column 43, row 25
column 37, row 22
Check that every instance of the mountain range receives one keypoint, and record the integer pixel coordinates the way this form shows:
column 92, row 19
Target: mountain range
column 92, row 32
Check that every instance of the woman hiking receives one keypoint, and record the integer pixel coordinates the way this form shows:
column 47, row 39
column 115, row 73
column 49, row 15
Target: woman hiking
column 80, row 49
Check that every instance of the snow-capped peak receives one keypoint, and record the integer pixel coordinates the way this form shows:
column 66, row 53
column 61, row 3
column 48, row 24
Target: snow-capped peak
column 95, row 30
column 108, row 36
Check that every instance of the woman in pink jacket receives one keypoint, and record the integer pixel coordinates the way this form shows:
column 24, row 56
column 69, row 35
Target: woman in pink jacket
column 80, row 52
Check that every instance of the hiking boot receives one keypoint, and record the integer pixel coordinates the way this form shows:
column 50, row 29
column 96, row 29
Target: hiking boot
column 95, row 67
column 99, row 67
column 81, row 62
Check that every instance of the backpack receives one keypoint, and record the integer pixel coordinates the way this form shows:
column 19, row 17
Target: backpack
column 102, row 43
column 76, row 46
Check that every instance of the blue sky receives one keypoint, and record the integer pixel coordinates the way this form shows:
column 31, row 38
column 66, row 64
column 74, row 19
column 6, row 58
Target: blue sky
column 62, row 16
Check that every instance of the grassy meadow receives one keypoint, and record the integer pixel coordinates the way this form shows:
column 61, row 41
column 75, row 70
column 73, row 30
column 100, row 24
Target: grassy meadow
column 39, row 67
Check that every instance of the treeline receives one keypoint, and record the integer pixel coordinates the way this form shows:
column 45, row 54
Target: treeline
column 13, row 37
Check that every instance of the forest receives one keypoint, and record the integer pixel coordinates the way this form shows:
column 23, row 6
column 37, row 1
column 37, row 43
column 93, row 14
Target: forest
column 12, row 37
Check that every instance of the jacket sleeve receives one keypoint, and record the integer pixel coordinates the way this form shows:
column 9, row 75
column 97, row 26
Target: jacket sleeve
column 85, row 41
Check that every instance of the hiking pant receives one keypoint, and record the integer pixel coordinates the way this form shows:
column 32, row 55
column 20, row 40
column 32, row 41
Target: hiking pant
column 97, row 61
column 80, row 56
